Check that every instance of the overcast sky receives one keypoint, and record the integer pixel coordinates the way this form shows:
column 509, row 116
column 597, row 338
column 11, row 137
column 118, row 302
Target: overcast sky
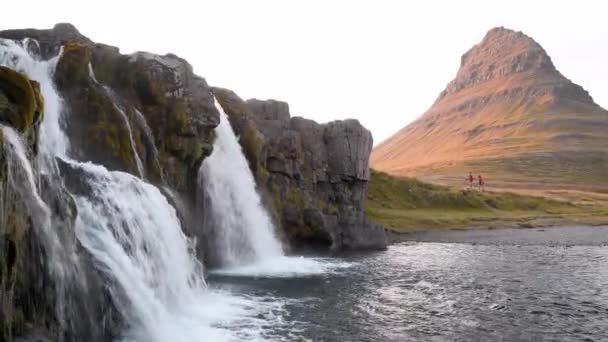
column 382, row 62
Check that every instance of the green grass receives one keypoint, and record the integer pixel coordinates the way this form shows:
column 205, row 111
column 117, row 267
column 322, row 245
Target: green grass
column 407, row 204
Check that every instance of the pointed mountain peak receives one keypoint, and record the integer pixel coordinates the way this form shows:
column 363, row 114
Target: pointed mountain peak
column 502, row 52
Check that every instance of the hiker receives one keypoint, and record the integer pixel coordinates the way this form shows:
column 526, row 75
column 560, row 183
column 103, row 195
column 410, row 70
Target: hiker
column 470, row 179
column 481, row 182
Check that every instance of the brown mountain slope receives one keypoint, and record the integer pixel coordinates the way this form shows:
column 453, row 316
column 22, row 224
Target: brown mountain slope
column 508, row 114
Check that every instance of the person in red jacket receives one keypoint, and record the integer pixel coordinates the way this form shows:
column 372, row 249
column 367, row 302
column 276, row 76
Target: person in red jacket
column 470, row 179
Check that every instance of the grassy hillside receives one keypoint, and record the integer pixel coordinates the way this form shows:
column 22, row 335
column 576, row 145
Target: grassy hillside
column 407, row 204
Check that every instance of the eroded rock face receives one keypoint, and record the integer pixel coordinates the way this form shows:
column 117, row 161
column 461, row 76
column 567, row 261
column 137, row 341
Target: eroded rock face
column 314, row 176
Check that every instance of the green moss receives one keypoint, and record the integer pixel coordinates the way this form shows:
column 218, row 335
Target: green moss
column 326, row 207
column 178, row 116
column 108, row 131
column 295, row 197
column 150, row 92
column 262, row 174
column 25, row 105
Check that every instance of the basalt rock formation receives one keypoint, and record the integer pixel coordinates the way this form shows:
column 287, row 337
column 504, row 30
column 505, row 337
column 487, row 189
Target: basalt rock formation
column 508, row 113
column 314, row 175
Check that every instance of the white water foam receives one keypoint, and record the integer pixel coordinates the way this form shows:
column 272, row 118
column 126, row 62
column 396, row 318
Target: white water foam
column 244, row 231
column 285, row 267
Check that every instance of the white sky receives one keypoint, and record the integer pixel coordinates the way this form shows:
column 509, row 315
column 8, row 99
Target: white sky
column 382, row 62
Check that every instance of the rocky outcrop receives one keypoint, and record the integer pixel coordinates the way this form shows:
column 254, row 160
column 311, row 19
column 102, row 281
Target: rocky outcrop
column 314, row 175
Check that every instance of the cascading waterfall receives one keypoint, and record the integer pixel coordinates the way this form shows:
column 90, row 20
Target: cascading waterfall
column 134, row 236
column 244, row 230
column 53, row 141
column 21, row 176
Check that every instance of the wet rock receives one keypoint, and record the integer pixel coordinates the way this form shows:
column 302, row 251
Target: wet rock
column 21, row 105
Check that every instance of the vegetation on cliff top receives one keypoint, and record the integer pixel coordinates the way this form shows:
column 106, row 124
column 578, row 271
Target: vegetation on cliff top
column 407, row 204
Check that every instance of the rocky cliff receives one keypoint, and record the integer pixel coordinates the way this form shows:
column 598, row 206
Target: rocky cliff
column 314, row 175
column 508, row 113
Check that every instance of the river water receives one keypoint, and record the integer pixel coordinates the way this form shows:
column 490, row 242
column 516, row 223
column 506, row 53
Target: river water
column 501, row 285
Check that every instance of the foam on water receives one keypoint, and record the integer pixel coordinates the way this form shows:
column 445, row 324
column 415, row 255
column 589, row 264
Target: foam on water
column 285, row 267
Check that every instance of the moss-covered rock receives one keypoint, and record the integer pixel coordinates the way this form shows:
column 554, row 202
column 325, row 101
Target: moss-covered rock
column 73, row 66
column 21, row 104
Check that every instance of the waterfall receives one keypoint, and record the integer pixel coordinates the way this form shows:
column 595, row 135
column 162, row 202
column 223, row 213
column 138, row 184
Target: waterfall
column 22, row 179
column 134, row 237
column 243, row 229
column 14, row 55
column 21, row 176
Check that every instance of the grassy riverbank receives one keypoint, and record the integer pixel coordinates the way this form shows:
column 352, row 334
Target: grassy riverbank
column 406, row 204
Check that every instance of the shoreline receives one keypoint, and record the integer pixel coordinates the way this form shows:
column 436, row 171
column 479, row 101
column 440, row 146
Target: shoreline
column 395, row 237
